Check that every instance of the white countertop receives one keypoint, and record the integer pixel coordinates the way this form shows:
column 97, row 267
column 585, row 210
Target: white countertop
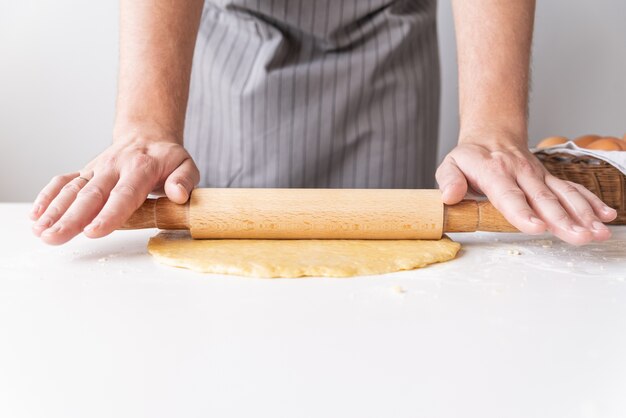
column 97, row 329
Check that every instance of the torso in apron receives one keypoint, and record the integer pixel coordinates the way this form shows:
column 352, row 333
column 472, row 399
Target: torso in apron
column 315, row 93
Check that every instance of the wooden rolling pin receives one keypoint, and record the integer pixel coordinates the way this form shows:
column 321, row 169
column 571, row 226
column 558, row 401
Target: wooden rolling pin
column 318, row 213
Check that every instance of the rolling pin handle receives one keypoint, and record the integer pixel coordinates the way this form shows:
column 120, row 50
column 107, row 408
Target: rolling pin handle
column 159, row 213
column 470, row 216
column 491, row 220
column 143, row 217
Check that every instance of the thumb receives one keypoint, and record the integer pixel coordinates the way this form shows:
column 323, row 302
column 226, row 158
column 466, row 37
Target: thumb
column 452, row 182
column 181, row 182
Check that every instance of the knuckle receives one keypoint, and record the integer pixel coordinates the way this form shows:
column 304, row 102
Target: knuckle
column 53, row 211
column 143, row 162
column 92, row 191
column 59, row 179
column 71, row 187
column 596, row 201
column 110, row 217
column 511, row 193
column 587, row 215
column 125, row 191
column 561, row 217
column 109, row 163
column 544, row 196
column 184, row 181
column 444, row 170
column 496, row 165
column 568, row 188
column 577, row 186
column 447, row 161
column 44, row 197
column 525, row 167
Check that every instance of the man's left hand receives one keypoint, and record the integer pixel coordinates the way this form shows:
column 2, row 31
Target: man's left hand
column 519, row 186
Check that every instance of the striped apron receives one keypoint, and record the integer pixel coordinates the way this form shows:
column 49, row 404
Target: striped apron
column 315, row 93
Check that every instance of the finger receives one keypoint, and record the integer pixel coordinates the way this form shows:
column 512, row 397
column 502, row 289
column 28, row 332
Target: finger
column 452, row 182
column 547, row 205
column 510, row 200
column 85, row 207
column 127, row 195
column 59, row 205
column 181, row 182
column 48, row 193
column 578, row 207
column 602, row 211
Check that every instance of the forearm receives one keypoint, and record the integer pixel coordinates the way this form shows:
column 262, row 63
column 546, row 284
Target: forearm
column 492, row 157
column 157, row 40
column 494, row 41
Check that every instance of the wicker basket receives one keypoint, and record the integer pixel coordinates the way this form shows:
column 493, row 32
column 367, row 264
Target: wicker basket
column 604, row 180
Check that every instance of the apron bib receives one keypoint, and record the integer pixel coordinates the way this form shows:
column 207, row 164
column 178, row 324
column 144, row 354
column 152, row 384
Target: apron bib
column 315, row 93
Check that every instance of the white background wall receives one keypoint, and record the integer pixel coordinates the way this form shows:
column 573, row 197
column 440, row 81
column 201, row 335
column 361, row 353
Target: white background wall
column 58, row 68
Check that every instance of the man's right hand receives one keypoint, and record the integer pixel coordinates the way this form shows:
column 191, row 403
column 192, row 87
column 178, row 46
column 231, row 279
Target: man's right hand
column 102, row 196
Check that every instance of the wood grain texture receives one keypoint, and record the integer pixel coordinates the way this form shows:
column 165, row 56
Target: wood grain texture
column 316, row 213
column 472, row 215
column 462, row 217
column 170, row 215
column 142, row 218
column 159, row 213
column 491, row 220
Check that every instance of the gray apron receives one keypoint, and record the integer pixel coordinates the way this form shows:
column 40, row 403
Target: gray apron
column 315, row 93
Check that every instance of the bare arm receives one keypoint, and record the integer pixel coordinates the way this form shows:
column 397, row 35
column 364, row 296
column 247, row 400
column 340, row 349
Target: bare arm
column 494, row 42
column 157, row 39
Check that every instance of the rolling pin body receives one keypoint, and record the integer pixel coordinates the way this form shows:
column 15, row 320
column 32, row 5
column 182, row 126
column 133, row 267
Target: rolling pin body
column 318, row 213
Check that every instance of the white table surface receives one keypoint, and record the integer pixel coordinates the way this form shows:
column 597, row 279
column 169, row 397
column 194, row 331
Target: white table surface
column 95, row 328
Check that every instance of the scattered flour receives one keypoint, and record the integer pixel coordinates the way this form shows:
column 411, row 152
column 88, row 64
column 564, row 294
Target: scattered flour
column 399, row 290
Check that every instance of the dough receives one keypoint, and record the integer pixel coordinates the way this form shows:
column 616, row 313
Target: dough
column 297, row 258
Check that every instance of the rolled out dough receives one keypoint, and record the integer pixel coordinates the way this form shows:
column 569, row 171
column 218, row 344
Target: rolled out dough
column 298, row 258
